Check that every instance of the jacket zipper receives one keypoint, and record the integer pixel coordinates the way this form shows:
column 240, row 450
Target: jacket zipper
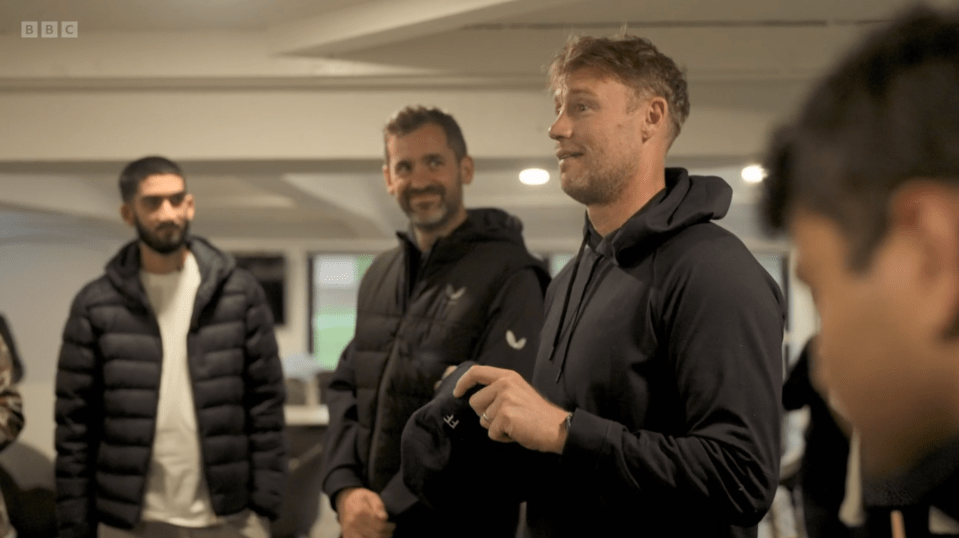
column 380, row 399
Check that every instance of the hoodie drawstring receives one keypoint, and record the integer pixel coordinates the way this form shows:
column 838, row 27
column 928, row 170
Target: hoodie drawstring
column 569, row 292
column 566, row 301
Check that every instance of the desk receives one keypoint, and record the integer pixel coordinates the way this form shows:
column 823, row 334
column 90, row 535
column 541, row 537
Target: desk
column 306, row 415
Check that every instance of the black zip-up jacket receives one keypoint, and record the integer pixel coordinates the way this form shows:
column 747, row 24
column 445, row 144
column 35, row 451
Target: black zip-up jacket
column 477, row 295
column 670, row 357
column 108, row 382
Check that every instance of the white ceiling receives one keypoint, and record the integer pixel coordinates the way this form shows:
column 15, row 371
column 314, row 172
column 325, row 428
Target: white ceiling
column 274, row 106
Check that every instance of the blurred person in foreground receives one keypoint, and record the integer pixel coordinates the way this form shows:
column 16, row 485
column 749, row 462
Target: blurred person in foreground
column 866, row 181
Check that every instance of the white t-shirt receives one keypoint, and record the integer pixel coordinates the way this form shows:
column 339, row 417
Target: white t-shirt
column 176, row 490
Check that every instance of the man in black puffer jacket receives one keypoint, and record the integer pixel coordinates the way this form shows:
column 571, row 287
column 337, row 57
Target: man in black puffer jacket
column 169, row 389
column 460, row 286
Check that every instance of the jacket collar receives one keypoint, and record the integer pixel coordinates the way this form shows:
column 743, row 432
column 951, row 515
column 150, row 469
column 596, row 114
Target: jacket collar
column 482, row 224
column 123, row 270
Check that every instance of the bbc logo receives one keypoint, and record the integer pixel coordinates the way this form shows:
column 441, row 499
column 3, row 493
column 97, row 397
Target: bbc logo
column 49, row 29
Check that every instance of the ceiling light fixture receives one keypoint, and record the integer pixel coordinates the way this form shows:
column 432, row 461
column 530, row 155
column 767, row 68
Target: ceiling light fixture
column 753, row 173
column 534, row 176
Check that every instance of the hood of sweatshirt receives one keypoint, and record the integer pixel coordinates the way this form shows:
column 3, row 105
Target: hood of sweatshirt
column 686, row 200
column 481, row 225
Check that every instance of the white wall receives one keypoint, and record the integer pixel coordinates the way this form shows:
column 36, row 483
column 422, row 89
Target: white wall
column 38, row 280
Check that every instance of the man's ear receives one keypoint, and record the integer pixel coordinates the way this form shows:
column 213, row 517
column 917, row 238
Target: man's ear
column 655, row 117
column 390, row 187
column 126, row 213
column 928, row 212
column 466, row 169
column 190, row 206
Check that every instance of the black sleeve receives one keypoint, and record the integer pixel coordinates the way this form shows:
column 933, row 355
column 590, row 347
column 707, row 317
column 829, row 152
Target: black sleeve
column 78, row 410
column 513, row 326
column 341, row 468
column 266, row 394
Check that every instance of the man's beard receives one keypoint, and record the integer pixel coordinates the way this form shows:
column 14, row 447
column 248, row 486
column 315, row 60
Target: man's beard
column 437, row 216
column 598, row 187
column 157, row 243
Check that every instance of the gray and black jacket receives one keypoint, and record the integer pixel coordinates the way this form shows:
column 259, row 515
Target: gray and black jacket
column 107, row 387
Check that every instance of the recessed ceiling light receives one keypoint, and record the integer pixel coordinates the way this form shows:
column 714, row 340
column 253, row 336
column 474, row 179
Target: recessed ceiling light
column 753, row 173
column 534, row 176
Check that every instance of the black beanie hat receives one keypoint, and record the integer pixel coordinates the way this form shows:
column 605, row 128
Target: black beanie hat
column 449, row 459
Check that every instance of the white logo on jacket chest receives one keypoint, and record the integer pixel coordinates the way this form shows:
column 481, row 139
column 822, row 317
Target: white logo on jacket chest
column 513, row 342
column 453, row 294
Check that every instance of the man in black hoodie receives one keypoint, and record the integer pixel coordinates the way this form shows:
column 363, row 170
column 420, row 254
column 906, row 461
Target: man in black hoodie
column 460, row 286
column 657, row 383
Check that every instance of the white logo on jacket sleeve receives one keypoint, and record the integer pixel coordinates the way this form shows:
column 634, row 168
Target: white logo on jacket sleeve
column 513, row 342
column 451, row 421
column 454, row 294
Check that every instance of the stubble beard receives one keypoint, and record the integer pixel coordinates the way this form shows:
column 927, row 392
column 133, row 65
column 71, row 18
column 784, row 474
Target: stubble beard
column 435, row 218
column 597, row 187
column 160, row 245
